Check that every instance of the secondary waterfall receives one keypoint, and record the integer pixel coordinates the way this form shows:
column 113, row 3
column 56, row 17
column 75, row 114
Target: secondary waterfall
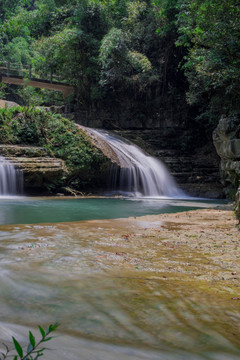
column 134, row 171
column 11, row 180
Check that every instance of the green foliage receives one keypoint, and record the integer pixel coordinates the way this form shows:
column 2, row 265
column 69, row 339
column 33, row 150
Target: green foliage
column 17, row 51
column 31, row 96
column 32, row 351
column 144, row 50
column 210, row 31
column 167, row 12
column 113, row 48
column 139, row 61
column 122, row 67
column 2, row 90
column 10, row 7
column 58, row 135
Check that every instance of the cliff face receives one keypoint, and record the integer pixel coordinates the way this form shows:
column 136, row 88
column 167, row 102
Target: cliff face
column 195, row 169
column 40, row 170
column 226, row 138
column 169, row 134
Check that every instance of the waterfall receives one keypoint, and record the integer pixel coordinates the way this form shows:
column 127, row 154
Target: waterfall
column 11, row 180
column 135, row 172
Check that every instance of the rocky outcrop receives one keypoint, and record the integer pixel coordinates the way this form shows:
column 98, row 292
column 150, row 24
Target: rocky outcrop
column 226, row 138
column 40, row 170
column 102, row 145
column 7, row 104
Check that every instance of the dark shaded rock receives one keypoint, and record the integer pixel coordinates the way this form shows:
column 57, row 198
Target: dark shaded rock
column 226, row 138
column 237, row 204
column 40, row 170
column 196, row 171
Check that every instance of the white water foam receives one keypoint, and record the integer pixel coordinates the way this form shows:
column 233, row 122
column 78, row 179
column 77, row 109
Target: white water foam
column 140, row 174
column 11, row 179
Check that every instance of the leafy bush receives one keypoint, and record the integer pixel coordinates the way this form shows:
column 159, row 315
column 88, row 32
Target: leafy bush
column 32, row 351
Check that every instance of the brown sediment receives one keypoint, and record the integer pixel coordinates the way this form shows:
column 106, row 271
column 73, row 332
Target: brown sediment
column 201, row 246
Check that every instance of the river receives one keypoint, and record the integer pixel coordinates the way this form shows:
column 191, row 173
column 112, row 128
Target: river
column 110, row 301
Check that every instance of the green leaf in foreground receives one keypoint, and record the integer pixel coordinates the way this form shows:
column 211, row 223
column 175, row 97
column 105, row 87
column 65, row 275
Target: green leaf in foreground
column 18, row 347
column 41, row 331
column 32, row 339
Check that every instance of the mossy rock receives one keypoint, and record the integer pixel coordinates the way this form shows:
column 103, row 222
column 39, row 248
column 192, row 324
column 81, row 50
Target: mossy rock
column 39, row 133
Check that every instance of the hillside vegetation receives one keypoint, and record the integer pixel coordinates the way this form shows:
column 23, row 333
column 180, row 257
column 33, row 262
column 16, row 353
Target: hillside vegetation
column 166, row 55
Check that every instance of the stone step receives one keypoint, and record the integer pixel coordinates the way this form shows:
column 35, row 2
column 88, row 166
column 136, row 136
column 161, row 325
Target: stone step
column 22, row 150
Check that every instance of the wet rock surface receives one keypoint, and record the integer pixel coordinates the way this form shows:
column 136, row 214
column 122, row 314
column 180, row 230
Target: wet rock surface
column 196, row 171
column 38, row 167
column 100, row 144
column 226, row 139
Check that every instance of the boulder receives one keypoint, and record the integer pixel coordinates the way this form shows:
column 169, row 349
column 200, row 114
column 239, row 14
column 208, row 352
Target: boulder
column 8, row 104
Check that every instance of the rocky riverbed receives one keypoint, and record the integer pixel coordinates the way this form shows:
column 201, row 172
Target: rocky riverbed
column 200, row 246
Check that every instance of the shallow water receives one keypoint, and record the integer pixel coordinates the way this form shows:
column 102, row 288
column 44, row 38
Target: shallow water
column 110, row 304
column 22, row 210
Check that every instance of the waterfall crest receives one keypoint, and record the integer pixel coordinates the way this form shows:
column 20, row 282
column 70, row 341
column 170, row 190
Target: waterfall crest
column 11, row 180
column 133, row 171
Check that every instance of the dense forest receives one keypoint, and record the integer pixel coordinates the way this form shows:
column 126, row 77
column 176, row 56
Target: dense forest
column 160, row 53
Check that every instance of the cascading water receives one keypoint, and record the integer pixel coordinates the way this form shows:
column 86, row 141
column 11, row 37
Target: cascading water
column 11, row 180
column 136, row 172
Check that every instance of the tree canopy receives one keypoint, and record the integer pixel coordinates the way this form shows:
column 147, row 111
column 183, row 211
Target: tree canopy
column 155, row 51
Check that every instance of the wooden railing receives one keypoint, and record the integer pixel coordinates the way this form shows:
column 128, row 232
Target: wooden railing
column 17, row 74
column 27, row 71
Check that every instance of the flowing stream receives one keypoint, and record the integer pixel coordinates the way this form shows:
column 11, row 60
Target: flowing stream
column 92, row 276
column 11, row 180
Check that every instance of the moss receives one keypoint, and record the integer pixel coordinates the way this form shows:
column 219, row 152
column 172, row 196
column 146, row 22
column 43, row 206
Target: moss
column 58, row 135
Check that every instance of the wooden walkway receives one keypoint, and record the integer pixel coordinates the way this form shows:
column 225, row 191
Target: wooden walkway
column 16, row 74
